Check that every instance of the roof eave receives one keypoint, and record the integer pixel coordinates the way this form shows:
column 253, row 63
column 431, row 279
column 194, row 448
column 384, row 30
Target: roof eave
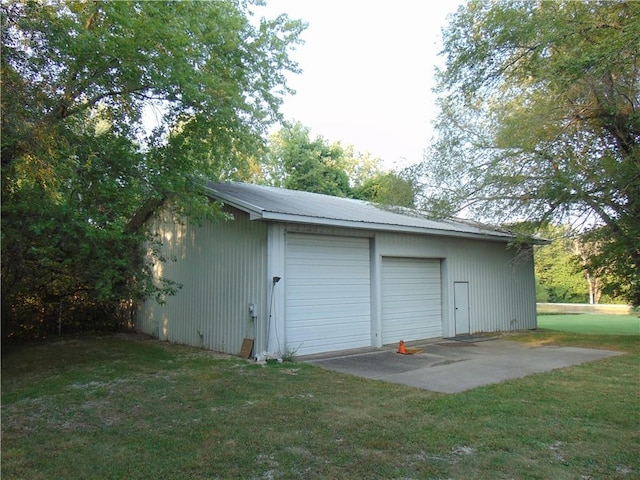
column 288, row 218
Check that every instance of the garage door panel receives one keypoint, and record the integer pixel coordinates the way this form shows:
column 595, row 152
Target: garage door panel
column 347, row 306
column 318, row 275
column 322, row 345
column 328, row 279
column 333, row 288
column 319, row 296
column 326, row 331
column 310, row 316
column 328, row 296
column 411, row 299
column 342, row 333
column 417, row 296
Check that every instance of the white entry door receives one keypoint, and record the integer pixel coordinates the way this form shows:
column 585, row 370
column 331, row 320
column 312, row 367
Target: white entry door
column 461, row 303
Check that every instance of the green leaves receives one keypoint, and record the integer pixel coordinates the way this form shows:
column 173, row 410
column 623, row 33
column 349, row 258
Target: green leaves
column 388, row 189
column 538, row 116
column 299, row 163
column 81, row 171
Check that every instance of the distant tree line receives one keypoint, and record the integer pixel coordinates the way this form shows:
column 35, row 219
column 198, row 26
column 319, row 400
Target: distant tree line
column 561, row 276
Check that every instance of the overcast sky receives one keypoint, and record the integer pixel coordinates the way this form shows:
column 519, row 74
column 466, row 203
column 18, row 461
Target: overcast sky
column 367, row 72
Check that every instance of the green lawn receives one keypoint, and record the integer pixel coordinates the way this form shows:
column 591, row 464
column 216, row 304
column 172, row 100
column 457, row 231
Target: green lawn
column 123, row 408
column 592, row 324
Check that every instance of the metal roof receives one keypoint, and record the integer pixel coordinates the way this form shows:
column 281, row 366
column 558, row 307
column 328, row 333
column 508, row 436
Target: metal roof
column 278, row 204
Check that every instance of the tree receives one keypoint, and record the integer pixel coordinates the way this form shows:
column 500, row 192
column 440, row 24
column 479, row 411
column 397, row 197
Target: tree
column 388, row 188
column 539, row 121
column 563, row 271
column 80, row 172
column 299, row 163
column 360, row 167
column 559, row 276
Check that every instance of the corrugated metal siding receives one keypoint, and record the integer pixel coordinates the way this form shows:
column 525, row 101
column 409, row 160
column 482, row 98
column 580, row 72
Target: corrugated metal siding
column 222, row 268
column 501, row 290
column 501, row 281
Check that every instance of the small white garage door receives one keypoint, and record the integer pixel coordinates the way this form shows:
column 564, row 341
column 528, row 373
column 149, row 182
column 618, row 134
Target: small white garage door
column 411, row 299
column 328, row 297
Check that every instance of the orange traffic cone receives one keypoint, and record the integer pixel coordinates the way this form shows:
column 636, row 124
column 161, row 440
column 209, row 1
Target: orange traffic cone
column 401, row 348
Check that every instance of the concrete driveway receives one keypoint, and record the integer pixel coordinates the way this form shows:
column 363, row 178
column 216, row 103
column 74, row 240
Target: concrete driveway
column 452, row 366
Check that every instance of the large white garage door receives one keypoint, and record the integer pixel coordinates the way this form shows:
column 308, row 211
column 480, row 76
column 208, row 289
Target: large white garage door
column 328, row 298
column 411, row 299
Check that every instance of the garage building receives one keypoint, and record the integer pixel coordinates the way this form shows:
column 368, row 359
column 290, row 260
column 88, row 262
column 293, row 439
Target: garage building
column 303, row 273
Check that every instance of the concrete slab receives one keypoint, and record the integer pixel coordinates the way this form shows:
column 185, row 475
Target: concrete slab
column 452, row 367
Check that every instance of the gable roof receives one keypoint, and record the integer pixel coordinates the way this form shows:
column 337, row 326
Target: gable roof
column 277, row 204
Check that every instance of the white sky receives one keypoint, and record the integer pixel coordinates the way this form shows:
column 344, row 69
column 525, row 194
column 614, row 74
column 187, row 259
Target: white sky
column 367, row 72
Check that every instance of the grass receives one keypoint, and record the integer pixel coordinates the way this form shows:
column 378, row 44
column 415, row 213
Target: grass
column 592, row 324
column 119, row 407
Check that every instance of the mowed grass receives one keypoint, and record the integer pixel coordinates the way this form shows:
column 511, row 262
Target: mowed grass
column 124, row 408
column 592, row 324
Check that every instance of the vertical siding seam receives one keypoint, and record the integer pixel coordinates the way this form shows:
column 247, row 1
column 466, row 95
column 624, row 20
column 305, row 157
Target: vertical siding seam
column 222, row 268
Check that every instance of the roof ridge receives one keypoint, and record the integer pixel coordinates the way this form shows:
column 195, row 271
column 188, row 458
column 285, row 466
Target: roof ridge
column 269, row 203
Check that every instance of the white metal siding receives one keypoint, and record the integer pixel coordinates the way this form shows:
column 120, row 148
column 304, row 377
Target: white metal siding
column 325, row 304
column 501, row 280
column 222, row 268
column 328, row 296
column 411, row 299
